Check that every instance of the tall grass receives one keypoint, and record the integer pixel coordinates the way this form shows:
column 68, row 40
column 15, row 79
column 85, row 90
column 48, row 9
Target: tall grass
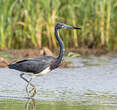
column 30, row 23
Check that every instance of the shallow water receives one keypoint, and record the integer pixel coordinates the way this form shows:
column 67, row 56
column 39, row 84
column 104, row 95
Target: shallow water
column 91, row 86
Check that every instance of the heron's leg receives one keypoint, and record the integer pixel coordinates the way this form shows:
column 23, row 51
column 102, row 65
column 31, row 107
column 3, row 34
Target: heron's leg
column 33, row 89
column 28, row 92
column 21, row 75
column 29, row 83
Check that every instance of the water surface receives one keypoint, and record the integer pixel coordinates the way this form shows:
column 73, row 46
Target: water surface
column 90, row 86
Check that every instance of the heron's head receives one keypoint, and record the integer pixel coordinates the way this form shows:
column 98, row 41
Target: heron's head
column 64, row 26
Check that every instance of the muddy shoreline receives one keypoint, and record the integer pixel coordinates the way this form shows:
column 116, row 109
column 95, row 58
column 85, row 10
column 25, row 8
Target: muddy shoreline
column 9, row 56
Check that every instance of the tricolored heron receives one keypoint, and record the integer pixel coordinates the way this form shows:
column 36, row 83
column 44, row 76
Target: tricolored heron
column 43, row 64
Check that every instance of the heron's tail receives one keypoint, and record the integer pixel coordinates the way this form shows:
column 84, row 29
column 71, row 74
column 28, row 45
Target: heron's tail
column 12, row 66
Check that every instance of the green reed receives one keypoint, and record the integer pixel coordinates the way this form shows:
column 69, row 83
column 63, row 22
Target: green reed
column 30, row 23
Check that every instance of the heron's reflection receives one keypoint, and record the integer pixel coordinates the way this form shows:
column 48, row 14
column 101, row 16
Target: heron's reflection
column 30, row 104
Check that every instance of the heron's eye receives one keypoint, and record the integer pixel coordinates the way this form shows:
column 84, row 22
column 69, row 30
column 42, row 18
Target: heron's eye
column 62, row 25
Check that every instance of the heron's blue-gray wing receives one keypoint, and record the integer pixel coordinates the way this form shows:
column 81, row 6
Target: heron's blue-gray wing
column 35, row 65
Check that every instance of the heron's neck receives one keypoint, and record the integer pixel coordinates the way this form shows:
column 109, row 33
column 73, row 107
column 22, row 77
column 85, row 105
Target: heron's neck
column 61, row 53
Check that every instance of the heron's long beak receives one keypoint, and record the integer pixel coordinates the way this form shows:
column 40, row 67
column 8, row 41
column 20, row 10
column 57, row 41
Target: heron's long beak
column 70, row 27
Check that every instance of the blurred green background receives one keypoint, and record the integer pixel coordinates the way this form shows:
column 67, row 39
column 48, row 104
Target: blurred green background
column 30, row 23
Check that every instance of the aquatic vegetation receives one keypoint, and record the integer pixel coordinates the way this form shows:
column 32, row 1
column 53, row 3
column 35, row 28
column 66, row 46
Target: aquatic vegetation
column 24, row 21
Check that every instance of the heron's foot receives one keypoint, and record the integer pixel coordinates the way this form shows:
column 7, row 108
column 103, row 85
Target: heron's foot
column 31, row 92
column 34, row 92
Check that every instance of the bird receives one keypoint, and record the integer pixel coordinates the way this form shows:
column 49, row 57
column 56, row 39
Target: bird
column 41, row 65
